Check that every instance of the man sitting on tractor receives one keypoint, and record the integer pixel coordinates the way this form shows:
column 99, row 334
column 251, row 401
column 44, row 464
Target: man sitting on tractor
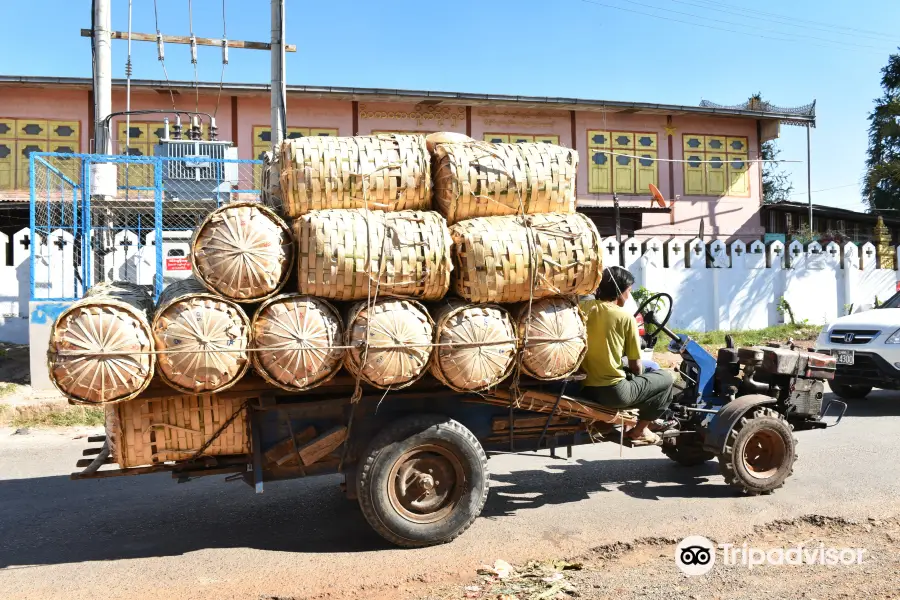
column 612, row 334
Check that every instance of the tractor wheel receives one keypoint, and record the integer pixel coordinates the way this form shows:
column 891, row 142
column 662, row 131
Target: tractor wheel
column 850, row 392
column 687, row 455
column 422, row 481
column 759, row 453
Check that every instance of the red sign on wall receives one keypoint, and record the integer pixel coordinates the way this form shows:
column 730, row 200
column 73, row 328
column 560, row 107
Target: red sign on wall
column 178, row 264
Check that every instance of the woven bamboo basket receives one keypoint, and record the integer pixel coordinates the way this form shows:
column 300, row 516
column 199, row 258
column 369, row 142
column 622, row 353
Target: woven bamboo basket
column 302, row 337
column 553, row 337
column 480, row 179
column 147, row 432
column 514, row 258
column 203, row 339
column 390, row 343
column 85, row 359
column 384, row 172
column 483, row 349
column 243, row 251
column 445, row 137
column 347, row 254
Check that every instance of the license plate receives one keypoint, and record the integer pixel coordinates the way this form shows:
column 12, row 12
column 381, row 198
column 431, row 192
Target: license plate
column 844, row 357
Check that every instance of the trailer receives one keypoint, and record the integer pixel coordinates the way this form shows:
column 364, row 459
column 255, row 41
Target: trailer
column 416, row 459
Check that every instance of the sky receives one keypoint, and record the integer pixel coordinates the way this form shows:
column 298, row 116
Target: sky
column 666, row 51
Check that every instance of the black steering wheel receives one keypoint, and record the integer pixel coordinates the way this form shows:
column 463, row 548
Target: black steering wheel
column 649, row 309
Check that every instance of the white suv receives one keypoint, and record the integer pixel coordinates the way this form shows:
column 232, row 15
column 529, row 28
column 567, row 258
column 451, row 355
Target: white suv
column 867, row 348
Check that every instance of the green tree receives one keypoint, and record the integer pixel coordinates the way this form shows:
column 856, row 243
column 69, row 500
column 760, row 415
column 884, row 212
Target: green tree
column 882, row 182
column 776, row 182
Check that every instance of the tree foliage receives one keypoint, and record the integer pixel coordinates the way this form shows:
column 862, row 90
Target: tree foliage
column 776, row 182
column 882, row 182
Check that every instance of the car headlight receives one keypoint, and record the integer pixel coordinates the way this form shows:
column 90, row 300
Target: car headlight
column 894, row 338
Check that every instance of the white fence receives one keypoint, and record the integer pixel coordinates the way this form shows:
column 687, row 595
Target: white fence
column 714, row 286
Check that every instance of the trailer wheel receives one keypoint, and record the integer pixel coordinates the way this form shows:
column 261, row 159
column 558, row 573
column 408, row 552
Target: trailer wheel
column 422, row 481
column 759, row 453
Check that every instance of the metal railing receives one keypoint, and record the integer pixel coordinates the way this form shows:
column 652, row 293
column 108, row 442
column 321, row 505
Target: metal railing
column 99, row 217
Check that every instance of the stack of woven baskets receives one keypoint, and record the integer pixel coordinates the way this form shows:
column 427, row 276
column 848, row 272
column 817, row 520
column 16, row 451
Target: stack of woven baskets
column 480, row 288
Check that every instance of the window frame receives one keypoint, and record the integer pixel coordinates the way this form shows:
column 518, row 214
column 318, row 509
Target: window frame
column 729, row 156
column 610, row 147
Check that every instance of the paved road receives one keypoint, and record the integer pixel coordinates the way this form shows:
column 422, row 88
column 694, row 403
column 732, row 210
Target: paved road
column 137, row 537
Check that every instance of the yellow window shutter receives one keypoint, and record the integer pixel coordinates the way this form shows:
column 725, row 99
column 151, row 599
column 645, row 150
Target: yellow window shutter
column 693, row 143
column 136, row 135
column 496, row 138
column 520, row 138
column 622, row 139
column 715, row 143
column 598, row 139
column 623, row 174
column 738, row 178
column 64, row 130
column 24, row 148
column 647, row 171
column 32, row 129
column 292, row 133
column 694, row 180
column 737, row 144
column 645, row 141
column 7, row 129
column 323, row 132
column 716, row 175
column 7, row 164
column 599, row 172
column 547, row 139
column 262, row 135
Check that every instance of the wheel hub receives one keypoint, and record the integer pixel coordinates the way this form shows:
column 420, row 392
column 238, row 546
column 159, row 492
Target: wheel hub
column 764, row 453
column 426, row 483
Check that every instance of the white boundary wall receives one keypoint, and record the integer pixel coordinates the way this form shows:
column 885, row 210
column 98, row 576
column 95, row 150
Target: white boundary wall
column 715, row 285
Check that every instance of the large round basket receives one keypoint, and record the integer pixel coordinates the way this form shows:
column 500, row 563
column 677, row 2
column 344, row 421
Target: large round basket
column 202, row 339
column 475, row 345
column 352, row 254
column 514, row 258
column 243, row 251
column 390, row 343
column 382, row 172
column 480, row 179
column 553, row 337
column 101, row 348
column 297, row 341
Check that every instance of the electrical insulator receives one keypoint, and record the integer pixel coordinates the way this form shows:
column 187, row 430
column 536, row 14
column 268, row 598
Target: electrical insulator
column 195, row 128
column 213, row 130
column 224, row 52
column 160, row 49
column 193, row 50
column 176, row 129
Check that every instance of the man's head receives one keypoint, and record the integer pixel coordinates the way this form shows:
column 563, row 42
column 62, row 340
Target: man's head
column 615, row 285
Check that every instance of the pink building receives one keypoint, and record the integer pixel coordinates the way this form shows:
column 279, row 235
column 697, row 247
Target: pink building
column 623, row 146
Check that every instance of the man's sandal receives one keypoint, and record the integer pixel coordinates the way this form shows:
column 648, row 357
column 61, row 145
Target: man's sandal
column 648, row 439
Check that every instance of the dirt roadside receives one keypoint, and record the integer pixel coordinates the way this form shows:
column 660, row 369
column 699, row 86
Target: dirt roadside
column 646, row 569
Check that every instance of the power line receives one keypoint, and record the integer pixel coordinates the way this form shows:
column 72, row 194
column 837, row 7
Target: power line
column 161, row 54
column 713, row 20
column 838, row 187
column 194, row 54
column 224, row 59
column 695, row 24
column 716, row 5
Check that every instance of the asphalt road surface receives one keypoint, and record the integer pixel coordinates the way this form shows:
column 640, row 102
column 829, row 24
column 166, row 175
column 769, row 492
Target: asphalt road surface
column 148, row 537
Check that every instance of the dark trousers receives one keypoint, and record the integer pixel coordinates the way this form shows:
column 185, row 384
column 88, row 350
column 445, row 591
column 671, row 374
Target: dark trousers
column 649, row 393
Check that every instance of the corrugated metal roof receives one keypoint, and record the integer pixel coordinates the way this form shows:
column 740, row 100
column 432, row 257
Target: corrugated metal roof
column 387, row 94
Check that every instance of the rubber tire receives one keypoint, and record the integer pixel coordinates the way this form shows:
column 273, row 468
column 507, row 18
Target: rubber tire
column 391, row 443
column 850, row 392
column 731, row 460
column 687, row 456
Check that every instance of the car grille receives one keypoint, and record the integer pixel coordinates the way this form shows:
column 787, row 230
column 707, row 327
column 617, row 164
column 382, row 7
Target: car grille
column 853, row 336
column 864, row 366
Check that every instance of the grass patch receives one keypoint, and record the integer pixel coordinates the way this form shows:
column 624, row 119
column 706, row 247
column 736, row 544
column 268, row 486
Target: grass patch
column 51, row 416
column 7, row 389
column 756, row 337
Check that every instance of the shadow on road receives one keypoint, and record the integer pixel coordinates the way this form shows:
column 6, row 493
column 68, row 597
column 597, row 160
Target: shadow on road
column 646, row 479
column 880, row 403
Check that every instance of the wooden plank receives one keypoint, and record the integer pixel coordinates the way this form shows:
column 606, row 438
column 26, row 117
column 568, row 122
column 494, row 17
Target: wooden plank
column 284, row 450
column 323, row 445
column 502, row 423
column 184, row 39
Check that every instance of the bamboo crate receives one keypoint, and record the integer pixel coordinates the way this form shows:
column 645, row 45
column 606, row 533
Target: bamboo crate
column 553, row 337
column 384, row 172
column 147, row 432
column 514, row 258
column 243, row 251
column 301, row 336
column 485, row 345
column 353, row 254
column 206, row 338
column 481, row 179
column 390, row 344
column 86, row 340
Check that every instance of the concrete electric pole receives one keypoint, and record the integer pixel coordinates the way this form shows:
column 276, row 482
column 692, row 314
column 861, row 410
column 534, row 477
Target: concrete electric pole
column 102, row 76
column 279, row 87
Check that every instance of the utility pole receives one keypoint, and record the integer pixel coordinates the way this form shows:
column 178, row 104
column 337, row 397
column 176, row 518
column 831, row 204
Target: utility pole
column 279, row 87
column 102, row 76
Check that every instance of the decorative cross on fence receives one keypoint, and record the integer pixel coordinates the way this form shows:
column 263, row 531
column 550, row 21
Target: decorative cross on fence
column 60, row 242
column 676, row 249
column 654, row 248
column 738, row 250
column 26, row 242
column 126, row 242
column 698, row 249
column 633, row 248
column 610, row 247
column 869, row 252
column 832, row 250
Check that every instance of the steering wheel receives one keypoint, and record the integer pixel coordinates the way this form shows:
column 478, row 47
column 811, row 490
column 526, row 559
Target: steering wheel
column 648, row 310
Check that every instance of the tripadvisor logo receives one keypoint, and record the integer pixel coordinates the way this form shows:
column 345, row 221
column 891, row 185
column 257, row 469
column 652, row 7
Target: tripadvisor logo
column 695, row 555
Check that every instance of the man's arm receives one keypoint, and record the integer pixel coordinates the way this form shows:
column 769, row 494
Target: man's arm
column 635, row 366
column 632, row 347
